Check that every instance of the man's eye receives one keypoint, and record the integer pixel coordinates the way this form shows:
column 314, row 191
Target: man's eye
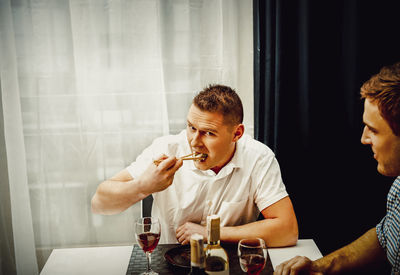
column 372, row 130
column 210, row 134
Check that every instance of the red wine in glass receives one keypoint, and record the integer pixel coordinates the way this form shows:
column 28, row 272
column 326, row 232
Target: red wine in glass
column 148, row 241
column 252, row 263
column 147, row 232
column 252, row 255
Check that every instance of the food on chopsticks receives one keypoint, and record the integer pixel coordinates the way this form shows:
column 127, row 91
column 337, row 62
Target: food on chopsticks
column 192, row 156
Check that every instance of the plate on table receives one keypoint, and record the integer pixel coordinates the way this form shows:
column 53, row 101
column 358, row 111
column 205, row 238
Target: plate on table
column 179, row 258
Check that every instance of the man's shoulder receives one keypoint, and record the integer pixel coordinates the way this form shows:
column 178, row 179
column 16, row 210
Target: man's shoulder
column 170, row 143
column 395, row 188
column 251, row 146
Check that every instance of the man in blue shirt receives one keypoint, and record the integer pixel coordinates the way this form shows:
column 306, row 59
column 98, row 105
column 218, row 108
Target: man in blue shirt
column 382, row 132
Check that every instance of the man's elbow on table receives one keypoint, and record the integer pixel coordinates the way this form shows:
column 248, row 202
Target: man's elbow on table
column 292, row 234
column 280, row 222
column 285, row 234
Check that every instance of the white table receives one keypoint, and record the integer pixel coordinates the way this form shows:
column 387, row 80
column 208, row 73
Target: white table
column 88, row 260
column 115, row 259
column 306, row 247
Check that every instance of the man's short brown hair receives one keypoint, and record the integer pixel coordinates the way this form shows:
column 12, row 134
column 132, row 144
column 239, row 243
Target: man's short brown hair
column 384, row 89
column 221, row 99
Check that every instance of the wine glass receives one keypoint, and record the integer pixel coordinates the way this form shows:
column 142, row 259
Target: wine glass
column 252, row 255
column 147, row 232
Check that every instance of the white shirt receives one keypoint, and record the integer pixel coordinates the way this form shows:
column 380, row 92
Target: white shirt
column 246, row 185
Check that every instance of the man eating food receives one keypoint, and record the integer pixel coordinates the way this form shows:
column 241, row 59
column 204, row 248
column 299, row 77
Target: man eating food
column 235, row 177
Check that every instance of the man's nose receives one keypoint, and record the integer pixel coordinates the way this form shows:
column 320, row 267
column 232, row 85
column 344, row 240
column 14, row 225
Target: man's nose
column 196, row 140
column 365, row 139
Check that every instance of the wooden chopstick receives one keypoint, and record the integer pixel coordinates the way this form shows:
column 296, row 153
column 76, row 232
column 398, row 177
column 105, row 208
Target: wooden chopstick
column 187, row 157
column 191, row 154
column 193, row 158
column 158, row 161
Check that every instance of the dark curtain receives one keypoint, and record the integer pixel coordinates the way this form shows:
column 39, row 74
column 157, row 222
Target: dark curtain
column 310, row 60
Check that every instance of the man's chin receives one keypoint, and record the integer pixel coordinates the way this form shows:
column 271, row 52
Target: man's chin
column 200, row 165
column 385, row 171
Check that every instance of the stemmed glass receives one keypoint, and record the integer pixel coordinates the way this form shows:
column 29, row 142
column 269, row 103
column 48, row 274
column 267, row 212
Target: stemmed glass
column 252, row 255
column 147, row 232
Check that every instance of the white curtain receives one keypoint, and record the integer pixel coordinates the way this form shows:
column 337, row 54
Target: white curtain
column 85, row 86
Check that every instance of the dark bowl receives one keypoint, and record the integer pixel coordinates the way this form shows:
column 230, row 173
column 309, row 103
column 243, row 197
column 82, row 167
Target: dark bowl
column 178, row 258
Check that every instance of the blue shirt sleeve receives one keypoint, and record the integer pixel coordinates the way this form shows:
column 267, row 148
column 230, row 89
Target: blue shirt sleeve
column 388, row 230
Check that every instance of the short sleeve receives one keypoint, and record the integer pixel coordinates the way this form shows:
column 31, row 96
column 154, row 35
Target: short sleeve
column 270, row 187
column 137, row 167
column 388, row 230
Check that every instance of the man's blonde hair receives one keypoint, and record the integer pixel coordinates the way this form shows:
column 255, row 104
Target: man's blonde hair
column 384, row 89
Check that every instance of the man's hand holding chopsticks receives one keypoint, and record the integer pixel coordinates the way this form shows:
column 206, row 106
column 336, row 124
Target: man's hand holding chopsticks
column 158, row 177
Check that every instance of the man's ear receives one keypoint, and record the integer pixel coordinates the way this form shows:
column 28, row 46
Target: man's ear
column 238, row 132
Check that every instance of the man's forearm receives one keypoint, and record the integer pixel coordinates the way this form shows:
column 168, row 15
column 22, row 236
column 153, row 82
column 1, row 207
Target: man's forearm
column 362, row 253
column 114, row 197
column 121, row 191
column 278, row 228
column 275, row 232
